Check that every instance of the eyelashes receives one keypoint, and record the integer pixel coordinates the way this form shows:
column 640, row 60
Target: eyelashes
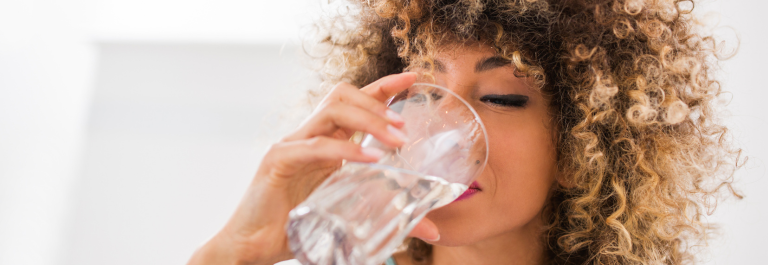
column 508, row 100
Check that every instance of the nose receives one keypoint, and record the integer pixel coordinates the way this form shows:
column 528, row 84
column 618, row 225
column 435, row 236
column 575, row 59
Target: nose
column 450, row 111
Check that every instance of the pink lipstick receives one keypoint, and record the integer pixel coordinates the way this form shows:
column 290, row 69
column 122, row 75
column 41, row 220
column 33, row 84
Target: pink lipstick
column 473, row 188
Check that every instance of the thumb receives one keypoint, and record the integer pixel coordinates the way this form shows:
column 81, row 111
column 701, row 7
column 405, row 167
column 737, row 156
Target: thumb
column 425, row 230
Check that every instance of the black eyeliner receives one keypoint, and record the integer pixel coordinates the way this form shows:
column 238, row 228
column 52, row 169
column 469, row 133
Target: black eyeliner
column 508, row 100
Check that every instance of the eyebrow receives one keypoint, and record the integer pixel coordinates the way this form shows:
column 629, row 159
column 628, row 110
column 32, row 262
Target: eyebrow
column 491, row 63
column 485, row 64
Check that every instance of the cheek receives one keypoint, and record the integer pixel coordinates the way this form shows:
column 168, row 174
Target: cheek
column 523, row 167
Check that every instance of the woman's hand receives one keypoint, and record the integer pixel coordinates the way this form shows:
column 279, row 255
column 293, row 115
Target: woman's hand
column 292, row 168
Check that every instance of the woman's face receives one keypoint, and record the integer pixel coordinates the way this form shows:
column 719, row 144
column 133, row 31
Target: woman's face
column 521, row 163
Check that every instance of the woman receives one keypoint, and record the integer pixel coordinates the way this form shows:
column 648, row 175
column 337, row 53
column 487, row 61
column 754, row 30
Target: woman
column 604, row 144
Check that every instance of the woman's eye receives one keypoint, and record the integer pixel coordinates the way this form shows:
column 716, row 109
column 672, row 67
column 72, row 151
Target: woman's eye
column 509, row 100
column 417, row 98
column 421, row 97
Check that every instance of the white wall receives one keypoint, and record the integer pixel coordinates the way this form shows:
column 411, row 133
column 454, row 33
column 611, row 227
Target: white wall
column 174, row 136
column 128, row 129
column 204, row 20
column 740, row 240
column 46, row 65
column 48, row 60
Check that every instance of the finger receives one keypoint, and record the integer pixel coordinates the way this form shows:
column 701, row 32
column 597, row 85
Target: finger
column 340, row 115
column 425, row 230
column 284, row 156
column 379, row 90
column 390, row 85
column 350, row 94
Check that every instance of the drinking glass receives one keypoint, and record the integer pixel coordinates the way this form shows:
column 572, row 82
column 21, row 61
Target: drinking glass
column 363, row 211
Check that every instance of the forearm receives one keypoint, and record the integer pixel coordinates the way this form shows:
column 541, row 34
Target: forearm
column 214, row 253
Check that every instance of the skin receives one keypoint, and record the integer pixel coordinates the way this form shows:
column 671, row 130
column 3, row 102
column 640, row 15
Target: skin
column 501, row 224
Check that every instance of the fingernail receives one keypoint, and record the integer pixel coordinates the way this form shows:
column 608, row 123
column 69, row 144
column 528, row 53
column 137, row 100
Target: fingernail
column 411, row 73
column 397, row 133
column 393, row 116
column 372, row 152
column 435, row 239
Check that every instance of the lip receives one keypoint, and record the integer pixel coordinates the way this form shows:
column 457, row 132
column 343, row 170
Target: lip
column 471, row 191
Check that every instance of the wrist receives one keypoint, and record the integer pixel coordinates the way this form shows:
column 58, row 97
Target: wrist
column 226, row 250
column 213, row 252
column 220, row 251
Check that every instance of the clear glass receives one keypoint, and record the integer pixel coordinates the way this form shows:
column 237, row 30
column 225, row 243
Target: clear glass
column 362, row 212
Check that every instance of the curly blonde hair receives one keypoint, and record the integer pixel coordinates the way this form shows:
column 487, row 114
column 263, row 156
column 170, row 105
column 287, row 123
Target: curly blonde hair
column 632, row 92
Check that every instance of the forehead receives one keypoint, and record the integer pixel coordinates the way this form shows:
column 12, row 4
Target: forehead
column 465, row 58
column 460, row 52
column 482, row 63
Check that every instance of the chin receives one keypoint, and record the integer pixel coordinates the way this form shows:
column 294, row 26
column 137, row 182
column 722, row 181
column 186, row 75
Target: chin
column 458, row 225
column 450, row 242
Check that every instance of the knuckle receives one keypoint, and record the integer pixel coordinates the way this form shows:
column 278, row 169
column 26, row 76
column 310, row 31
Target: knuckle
column 340, row 86
column 333, row 105
column 336, row 92
column 327, row 109
column 333, row 110
column 316, row 142
column 350, row 94
column 275, row 148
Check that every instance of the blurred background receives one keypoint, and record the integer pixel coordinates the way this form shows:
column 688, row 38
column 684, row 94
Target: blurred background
column 130, row 129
